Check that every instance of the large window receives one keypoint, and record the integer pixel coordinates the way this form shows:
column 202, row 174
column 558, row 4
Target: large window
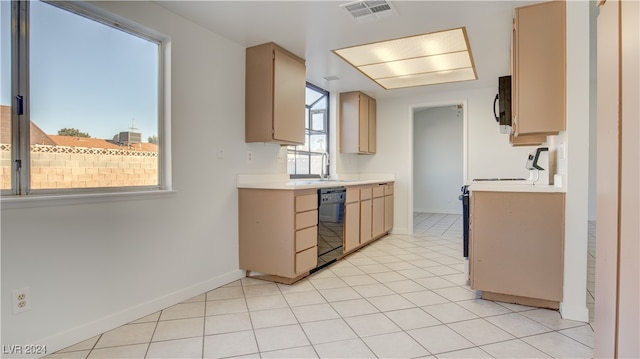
column 80, row 101
column 307, row 160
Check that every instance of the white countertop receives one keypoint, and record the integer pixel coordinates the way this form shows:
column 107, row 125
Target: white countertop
column 284, row 183
column 513, row 186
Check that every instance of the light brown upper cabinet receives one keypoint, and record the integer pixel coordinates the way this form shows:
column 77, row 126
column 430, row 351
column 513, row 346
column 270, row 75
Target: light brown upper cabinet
column 528, row 140
column 358, row 123
column 275, row 86
column 539, row 79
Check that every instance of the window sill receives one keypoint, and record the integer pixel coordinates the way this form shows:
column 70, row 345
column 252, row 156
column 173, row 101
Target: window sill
column 16, row 202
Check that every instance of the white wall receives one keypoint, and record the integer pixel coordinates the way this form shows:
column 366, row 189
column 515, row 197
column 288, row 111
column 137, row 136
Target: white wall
column 437, row 159
column 576, row 139
column 94, row 266
column 593, row 108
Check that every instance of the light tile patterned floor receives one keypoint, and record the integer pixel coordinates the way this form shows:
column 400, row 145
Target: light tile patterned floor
column 400, row 297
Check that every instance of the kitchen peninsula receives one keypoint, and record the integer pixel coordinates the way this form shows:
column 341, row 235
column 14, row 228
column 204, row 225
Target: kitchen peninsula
column 516, row 240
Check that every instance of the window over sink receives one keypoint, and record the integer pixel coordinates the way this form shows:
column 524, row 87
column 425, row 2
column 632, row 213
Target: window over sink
column 307, row 160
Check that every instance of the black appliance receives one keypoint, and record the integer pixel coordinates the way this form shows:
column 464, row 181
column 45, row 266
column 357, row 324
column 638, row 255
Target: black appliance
column 503, row 98
column 330, row 225
column 534, row 159
column 464, row 197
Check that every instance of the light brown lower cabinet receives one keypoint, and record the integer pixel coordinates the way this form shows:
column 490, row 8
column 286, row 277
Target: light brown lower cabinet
column 377, row 216
column 388, row 207
column 368, row 214
column 517, row 246
column 278, row 229
column 366, row 208
column 278, row 232
column 352, row 220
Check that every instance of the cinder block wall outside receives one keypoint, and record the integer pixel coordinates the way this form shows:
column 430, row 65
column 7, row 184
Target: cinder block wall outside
column 85, row 170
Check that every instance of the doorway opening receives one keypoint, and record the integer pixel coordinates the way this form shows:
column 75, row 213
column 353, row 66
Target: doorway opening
column 439, row 167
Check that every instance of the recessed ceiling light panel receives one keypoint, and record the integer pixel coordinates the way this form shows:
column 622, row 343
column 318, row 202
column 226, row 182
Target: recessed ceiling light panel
column 454, row 60
column 416, row 60
column 427, row 79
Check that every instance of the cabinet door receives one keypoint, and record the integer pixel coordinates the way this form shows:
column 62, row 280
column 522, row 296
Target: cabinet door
column 351, row 226
column 388, row 213
column 372, row 126
column 363, row 123
column 539, row 61
column 306, row 260
column 289, row 98
column 377, row 217
column 517, row 243
column 365, row 221
column 357, row 123
column 349, row 124
column 266, row 231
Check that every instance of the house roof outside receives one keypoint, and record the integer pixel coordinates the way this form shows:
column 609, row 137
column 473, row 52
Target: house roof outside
column 36, row 135
column 39, row 137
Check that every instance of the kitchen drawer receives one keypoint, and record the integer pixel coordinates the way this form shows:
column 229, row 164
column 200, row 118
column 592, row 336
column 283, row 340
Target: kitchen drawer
column 307, row 260
column 365, row 193
column 306, row 238
column 388, row 189
column 306, row 219
column 353, row 195
column 307, row 202
column 378, row 191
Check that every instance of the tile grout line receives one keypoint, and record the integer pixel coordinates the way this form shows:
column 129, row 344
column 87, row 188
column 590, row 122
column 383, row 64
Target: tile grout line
column 153, row 333
column 306, row 335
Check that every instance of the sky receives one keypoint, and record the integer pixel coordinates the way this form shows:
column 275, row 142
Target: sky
column 85, row 75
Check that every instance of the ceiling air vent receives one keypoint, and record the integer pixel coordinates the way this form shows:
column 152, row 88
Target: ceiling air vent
column 369, row 10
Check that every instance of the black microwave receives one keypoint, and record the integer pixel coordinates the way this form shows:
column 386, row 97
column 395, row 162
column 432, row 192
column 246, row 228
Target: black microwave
column 503, row 98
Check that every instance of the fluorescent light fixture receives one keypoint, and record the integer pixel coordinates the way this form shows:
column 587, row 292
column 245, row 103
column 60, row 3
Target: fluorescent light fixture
column 427, row 59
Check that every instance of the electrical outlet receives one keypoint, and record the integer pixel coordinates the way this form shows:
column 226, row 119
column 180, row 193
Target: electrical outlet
column 249, row 156
column 21, row 300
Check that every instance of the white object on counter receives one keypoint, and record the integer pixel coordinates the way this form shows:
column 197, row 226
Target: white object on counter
column 557, row 180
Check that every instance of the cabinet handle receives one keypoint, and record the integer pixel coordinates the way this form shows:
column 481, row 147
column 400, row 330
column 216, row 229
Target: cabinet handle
column 494, row 108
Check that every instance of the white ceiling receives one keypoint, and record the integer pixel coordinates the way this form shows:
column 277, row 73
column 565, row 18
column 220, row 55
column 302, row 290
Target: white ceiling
column 311, row 29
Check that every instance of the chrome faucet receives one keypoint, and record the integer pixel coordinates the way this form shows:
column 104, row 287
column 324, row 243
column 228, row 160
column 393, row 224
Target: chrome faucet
column 324, row 168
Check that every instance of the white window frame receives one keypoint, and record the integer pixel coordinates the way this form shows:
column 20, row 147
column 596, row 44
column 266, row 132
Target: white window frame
column 327, row 132
column 20, row 153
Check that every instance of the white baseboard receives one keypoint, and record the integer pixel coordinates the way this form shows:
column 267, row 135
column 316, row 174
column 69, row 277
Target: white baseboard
column 443, row 211
column 400, row 230
column 85, row 331
column 578, row 313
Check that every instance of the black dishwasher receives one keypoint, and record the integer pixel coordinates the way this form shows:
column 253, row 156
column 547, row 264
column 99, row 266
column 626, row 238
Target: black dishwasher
column 330, row 224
